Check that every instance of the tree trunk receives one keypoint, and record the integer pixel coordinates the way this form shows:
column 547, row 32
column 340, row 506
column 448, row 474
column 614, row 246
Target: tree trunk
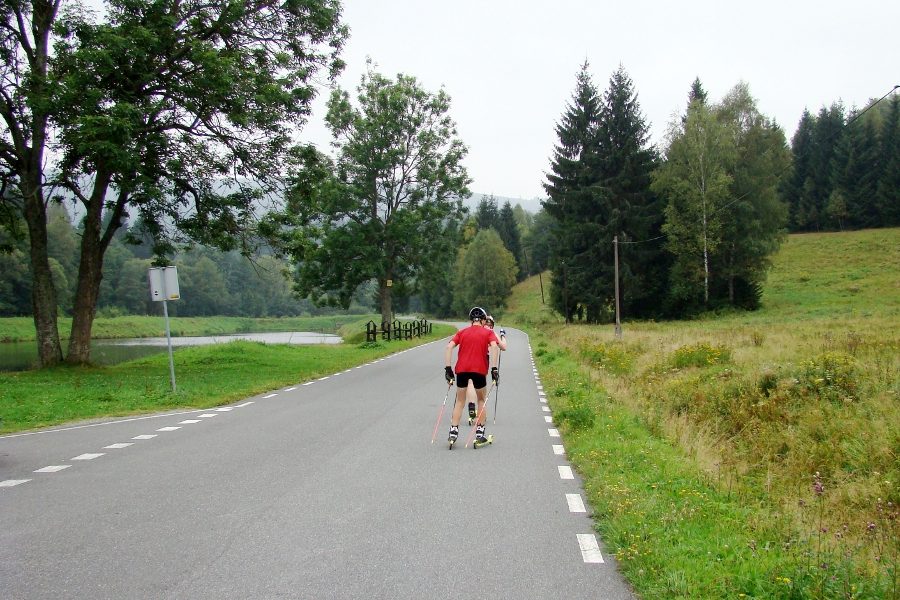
column 384, row 293
column 90, row 273
column 43, row 292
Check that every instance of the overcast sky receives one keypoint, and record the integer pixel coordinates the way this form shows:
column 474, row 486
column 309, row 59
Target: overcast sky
column 510, row 66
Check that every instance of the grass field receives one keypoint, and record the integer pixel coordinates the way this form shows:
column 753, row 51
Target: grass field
column 750, row 455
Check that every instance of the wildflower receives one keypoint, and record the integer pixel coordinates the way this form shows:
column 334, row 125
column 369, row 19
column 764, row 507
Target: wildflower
column 870, row 527
column 818, row 486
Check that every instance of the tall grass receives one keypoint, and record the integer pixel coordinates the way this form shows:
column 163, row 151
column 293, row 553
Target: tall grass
column 784, row 423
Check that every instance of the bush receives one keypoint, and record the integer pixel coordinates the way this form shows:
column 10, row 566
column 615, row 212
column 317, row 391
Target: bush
column 830, row 376
column 613, row 358
column 701, row 354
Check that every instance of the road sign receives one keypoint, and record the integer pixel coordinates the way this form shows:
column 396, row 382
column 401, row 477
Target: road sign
column 164, row 284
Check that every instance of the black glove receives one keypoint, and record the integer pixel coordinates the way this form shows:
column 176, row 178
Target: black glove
column 495, row 374
column 448, row 374
column 503, row 333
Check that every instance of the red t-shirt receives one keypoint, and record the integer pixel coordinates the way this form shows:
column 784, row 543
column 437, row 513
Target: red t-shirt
column 473, row 342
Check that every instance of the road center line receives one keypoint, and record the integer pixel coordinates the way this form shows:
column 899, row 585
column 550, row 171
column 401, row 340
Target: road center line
column 146, row 436
column 189, row 421
column 12, row 482
column 52, row 469
column 168, row 428
column 90, row 456
column 118, row 446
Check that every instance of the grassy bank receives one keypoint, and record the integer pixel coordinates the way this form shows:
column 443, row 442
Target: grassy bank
column 753, row 454
column 21, row 329
column 206, row 376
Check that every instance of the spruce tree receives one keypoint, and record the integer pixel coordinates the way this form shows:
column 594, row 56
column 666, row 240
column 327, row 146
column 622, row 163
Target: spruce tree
column 512, row 239
column 631, row 210
column 573, row 192
column 855, row 173
column 888, row 193
column 793, row 185
column 826, row 135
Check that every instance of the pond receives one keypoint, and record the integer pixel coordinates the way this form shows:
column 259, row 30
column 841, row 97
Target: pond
column 20, row 356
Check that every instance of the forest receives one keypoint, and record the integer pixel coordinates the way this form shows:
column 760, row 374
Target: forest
column 107, row 170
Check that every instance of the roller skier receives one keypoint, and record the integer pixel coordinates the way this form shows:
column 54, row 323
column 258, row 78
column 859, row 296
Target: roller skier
column 501, row 345
column 476, row 354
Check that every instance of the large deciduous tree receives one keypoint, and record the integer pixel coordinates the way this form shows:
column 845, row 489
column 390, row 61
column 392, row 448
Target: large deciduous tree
column 179, row 110
column 695, row 181
column 485, row 274
column 399, row 182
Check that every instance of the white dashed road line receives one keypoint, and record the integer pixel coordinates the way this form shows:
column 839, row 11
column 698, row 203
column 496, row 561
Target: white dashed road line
column 168, row 428
column 558, row 449
column 206, row 416
column 52, row 469
column 548, row 419
column 91, row 456
column 118, row 446
column 576, row 504
column 269, row 396
column 565, row 472
column 553, row 432
column 189, row 422
column 12, row 482
column 225, row 408
column 146, row 436
column 590, row 550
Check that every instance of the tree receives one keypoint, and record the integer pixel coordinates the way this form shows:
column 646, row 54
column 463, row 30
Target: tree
column 696, row 182
column 508, row 230
column 572, row 194
column 633, row 212
column 793, row 187
column 399, row 180
column 753, row 225
column 888, row 192
column 181, row 111
column 485, row 274
column 486, row 214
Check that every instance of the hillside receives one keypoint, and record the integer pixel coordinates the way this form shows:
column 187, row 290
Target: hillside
column 719, row 436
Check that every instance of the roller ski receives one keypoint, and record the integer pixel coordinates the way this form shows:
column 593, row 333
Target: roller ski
column 472, row 413
column 481, row 439
column 454, row 435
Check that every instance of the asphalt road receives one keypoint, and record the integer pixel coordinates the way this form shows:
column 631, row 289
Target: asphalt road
column 330, row 489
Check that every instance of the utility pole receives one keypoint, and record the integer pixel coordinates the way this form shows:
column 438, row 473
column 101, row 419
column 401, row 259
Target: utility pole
column 616, row 258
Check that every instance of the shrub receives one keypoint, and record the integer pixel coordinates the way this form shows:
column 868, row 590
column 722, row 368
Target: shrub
column 830, row 376
column 701, row 354
column 610, row 357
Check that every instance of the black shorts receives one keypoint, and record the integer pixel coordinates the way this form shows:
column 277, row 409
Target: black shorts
column 477, row 379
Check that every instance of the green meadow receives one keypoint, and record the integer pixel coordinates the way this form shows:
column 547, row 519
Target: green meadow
column 744, row 455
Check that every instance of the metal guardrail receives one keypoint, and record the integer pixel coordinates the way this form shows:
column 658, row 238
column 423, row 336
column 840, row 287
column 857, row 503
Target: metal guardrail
column 395, row 330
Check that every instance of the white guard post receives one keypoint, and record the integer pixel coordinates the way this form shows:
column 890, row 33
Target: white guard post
column 164, row 287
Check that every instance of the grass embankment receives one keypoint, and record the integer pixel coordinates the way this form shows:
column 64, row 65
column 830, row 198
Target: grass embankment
column 205, row 376
column 21, row 329
column 752, row 455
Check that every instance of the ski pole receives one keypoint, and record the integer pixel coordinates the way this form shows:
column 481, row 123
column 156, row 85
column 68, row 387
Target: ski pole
column 441, row 414
column 480, row 414
column 497, row 392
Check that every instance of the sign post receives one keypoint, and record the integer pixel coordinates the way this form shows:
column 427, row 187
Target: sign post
column 164, row 287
